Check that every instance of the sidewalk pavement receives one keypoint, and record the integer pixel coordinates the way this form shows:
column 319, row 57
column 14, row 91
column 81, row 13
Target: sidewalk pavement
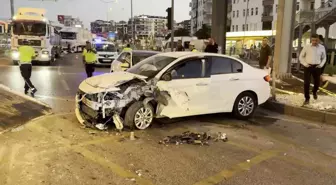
column 16, row 109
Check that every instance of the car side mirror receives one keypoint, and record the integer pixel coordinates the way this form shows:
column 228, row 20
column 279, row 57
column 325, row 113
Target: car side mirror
column 118, row 50
column 167, row 77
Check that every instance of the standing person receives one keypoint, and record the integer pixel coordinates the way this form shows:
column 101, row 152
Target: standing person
column 212, row 47
column 265, row 54
column 180, row 46
column 27, row 54
column 89, row 58
column 312, row 57
column 323, row 80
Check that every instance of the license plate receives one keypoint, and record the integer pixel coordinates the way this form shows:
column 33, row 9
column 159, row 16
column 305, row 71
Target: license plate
column 107, row 60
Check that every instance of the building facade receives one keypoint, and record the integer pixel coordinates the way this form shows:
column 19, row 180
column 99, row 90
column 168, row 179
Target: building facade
column 186, row 24
column 200, row 13
column 148, row 26
column 69, row 21
column 101, row 26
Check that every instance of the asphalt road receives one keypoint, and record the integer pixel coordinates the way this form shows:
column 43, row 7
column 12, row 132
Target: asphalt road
column 270, row 149
column 57, row 84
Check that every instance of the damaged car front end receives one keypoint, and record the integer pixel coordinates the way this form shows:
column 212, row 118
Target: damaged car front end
column 122, row 98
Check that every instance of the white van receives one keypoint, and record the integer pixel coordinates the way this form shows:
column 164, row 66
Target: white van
column 106, row 52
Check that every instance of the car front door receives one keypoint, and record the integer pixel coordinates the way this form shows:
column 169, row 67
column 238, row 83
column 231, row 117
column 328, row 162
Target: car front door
column 188, row 89
column 227, row 82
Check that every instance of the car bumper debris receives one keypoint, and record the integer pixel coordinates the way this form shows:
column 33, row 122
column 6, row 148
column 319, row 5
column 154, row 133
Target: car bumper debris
column 192, row 138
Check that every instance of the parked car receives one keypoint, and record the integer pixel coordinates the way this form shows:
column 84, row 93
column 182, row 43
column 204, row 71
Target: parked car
column 127, row 59
column 174, row 84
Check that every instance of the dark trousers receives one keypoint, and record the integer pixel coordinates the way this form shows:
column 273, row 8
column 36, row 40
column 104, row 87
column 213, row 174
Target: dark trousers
column 26, row 70
column 89, row 68
column 309, row 72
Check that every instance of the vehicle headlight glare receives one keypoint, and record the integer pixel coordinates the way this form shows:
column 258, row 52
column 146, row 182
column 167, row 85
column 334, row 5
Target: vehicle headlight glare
column 15, row 54
column 45, row 52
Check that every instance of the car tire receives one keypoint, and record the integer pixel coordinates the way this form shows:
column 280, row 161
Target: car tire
column 138, row 116
column 245, row 106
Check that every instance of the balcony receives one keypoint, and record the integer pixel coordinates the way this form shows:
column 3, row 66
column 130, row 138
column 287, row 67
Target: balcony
column 207, row 11
column 207, row 1
column 268, row 2
column 266, row 17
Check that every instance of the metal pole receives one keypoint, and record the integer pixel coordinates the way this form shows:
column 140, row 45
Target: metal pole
column 225, row 26
column 133, row 35
column 278, row 37
column 12, row 8
column 172, row 26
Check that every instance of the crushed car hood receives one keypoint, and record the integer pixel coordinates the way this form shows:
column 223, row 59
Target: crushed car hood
column 107, row 82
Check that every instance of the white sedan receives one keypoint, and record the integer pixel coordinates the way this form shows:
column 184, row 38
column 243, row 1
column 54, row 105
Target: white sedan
column 175, row 84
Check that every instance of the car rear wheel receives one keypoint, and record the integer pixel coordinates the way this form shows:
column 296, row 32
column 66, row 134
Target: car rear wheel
column 139, row 116
column 245, row 105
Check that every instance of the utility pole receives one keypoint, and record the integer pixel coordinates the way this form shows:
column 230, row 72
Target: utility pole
column 12, row 8
column 133, row 34
column 172, row 26
column 283, row 41
column 219, row 23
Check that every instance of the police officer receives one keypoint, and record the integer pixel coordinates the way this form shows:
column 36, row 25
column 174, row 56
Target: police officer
column 128, row 48
column 89, row 58
column 27, row 54
column 193, row 49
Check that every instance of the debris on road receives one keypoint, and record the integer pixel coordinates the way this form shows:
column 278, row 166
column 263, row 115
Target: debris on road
column 192, row 138
column 132, row 138
column 17, row 129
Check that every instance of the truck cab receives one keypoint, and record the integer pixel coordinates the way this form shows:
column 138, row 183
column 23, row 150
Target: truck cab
column 74, row 39
column 31, row 25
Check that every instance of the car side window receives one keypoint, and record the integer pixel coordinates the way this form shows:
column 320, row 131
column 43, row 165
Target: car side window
column 220, row 65
column 188, row 69
column 223, row 65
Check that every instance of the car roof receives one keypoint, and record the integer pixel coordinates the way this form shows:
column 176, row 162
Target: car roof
column 145, row 51
column 190, row 54
column 104, row 42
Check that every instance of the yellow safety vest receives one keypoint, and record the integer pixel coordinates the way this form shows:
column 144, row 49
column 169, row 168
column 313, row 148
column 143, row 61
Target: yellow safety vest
column 89, row 57
column 26, row 54
column 127, row 49
column 194, row 50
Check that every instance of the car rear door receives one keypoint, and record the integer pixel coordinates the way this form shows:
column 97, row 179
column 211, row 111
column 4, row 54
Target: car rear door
column 226, row 82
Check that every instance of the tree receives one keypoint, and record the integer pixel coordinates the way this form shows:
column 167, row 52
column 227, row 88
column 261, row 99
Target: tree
column 181, row 32
column 204, row 32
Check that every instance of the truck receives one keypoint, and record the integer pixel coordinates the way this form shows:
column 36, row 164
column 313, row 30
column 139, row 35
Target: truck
column 31, row 25
column 74, row 38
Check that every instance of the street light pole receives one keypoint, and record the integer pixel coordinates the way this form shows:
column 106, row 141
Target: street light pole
column 12, row 8
column 172, row 26
column 132, row 17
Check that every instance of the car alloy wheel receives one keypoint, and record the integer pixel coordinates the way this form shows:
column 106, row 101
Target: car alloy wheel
column 246, row 106
column 143, row 118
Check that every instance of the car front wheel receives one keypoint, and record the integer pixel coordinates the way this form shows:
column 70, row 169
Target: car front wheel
column 245, row 106
column 139, row 116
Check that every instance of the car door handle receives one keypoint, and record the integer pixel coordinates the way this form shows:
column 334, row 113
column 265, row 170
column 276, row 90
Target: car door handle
column 234, row 79
column 202, row 84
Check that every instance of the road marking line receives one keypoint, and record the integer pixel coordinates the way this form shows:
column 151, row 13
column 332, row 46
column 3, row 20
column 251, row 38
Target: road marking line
column 115, row 168
column 65, row 85
column 244, row 166
column 59, row 70
column 54, row 97
column 110, row 165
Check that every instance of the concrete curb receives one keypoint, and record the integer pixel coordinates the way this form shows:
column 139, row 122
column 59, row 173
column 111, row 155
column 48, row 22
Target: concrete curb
column 24, row 96
column 301, row 112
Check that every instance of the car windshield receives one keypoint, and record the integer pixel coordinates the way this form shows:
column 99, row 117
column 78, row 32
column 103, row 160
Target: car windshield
column 151, row 66
column 137, row 57
column 68, row 35
column 29, row 28
column 106, row 47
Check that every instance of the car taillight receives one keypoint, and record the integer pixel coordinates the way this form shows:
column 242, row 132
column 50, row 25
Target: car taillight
column 267, row 78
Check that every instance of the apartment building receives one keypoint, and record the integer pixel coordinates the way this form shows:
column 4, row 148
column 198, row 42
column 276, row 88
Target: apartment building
column 200, row 13
column 148, row 26
column 186, row 24
column 101, row 26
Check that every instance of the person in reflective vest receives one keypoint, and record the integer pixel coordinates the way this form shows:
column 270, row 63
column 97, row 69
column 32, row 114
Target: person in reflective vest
column 27, row 54
column 128, row 48
column 193, row 49
column 89, row 59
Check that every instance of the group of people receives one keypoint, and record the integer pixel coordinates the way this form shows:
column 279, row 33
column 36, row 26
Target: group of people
column 211, row 47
